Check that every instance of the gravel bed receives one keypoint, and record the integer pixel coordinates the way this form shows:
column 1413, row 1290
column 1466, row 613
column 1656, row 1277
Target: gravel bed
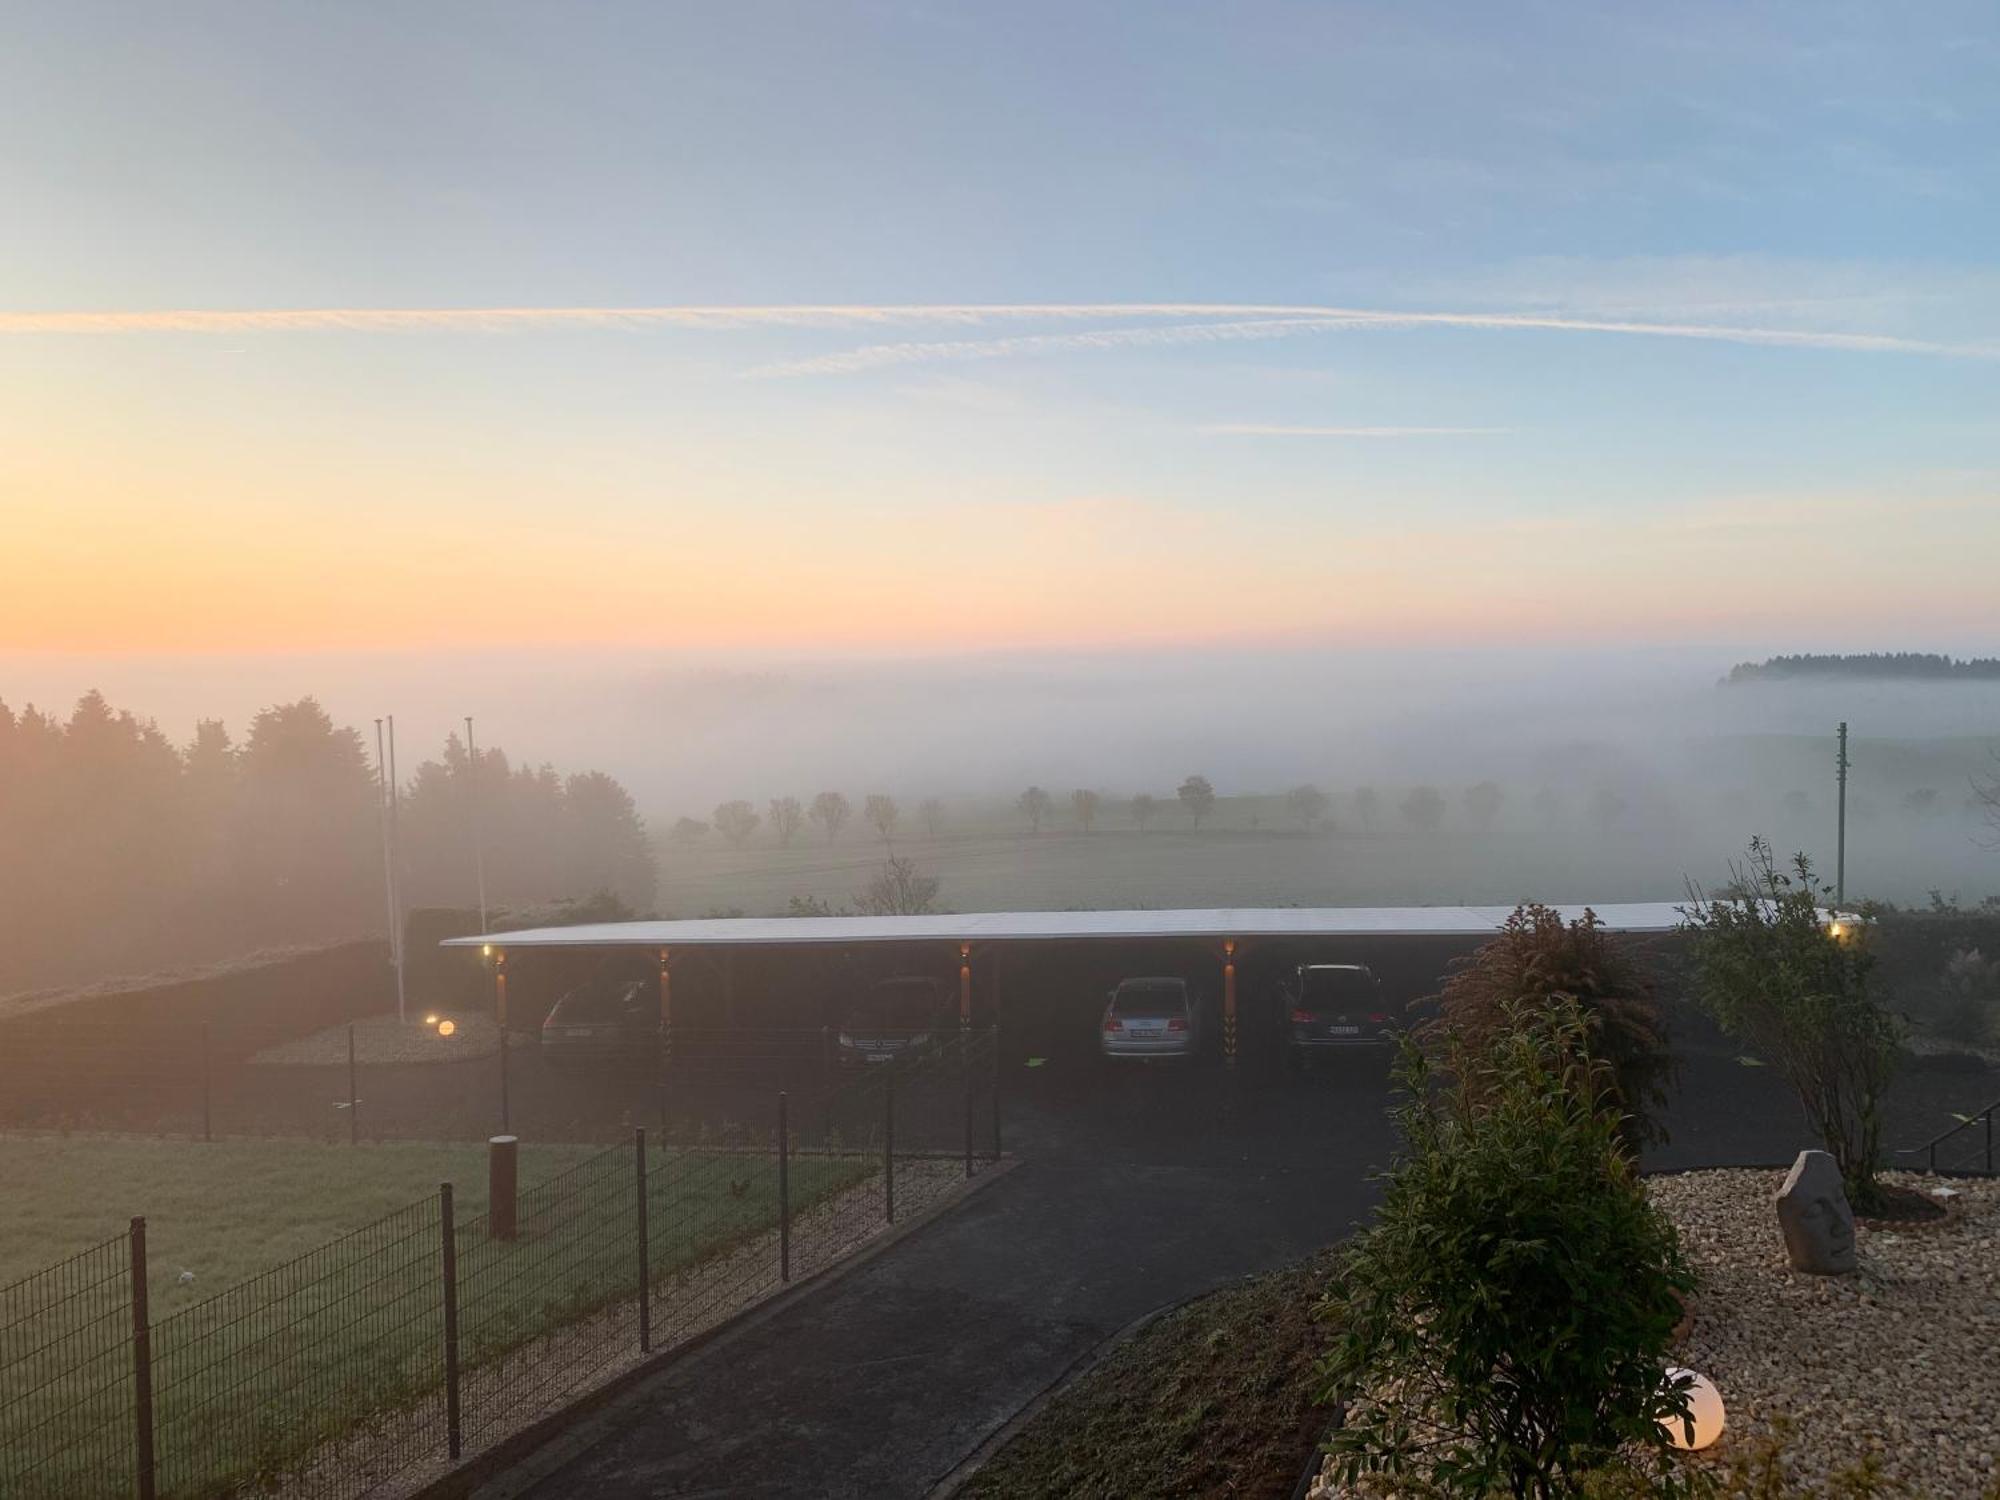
column 1898, row 1360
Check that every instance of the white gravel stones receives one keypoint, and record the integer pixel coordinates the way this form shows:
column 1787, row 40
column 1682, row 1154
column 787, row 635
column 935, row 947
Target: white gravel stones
column 1898, row 1359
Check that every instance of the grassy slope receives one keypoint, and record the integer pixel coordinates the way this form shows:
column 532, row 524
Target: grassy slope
column 226, row 1210
column 1214, row 1399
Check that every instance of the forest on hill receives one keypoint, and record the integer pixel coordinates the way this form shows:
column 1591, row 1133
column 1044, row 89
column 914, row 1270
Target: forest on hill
column 1902, row 666
column 122, row 851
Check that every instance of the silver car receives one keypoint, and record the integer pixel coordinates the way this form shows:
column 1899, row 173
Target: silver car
column 1152, row 1018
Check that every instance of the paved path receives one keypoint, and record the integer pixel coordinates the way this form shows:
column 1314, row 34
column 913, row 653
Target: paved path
column 1134, row 1189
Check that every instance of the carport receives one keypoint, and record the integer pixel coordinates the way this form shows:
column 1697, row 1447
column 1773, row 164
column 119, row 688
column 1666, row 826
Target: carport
column 1224, row 935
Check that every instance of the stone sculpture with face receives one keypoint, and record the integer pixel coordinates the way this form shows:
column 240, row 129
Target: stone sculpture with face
column 1814, row 1217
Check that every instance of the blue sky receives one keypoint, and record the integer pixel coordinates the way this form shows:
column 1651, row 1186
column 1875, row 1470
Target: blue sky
column 1806, row 194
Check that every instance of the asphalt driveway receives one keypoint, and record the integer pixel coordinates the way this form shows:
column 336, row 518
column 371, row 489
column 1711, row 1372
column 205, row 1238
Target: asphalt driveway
column 1135, row 1187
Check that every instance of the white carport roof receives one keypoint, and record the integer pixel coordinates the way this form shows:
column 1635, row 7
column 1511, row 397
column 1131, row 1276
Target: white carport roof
column 1057, row 926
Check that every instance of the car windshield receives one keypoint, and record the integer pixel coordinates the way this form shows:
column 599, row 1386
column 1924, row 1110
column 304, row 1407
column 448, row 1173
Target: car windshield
column 1161, row 998
column 601, row 1000
column 897, row 1005
column 1336, row 987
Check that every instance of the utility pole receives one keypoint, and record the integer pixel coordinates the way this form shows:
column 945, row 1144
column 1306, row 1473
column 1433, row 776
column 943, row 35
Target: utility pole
column 1840, row 764
column 478, row 836
column 395, row 872
column 383, row 784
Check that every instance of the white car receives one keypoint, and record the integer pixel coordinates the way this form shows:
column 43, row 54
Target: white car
column 1152, row 1018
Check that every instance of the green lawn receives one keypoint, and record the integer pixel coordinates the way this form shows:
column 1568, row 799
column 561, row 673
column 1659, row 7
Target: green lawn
column 297, row 1329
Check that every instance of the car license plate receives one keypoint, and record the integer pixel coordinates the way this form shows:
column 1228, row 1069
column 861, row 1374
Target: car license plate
column 1343, row 1031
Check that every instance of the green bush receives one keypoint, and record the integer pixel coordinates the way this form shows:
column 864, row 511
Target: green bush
column 1776, row 973
column 1503, row 1325
column 1538, row 955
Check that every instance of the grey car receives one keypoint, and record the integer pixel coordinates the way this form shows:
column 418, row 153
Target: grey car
column 1152, row 1018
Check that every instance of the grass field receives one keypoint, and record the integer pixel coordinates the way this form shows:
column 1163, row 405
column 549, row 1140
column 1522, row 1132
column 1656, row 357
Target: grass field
column 297, row 1329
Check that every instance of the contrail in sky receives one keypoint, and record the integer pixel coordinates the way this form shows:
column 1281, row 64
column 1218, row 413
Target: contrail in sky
column 1184, row 322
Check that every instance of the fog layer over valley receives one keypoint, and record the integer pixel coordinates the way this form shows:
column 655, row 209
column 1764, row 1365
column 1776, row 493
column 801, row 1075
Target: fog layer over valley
column 1446, row 776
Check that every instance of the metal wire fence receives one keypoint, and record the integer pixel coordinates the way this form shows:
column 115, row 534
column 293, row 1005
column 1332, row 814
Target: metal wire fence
column 66, row 1371
column 413, row 1342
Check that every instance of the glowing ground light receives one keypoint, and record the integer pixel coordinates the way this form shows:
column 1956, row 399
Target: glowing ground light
column 446, row 1028
column 430, row 1020
column 1704, row 1412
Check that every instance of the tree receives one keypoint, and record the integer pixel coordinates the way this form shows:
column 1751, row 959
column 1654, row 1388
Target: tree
column 1986, row 798
column 1793, row 985
column 1197, row 796
column 899, row 891
column 786, row 815
column 1606, row 808
column 1517, row 1294
column 1034, row 804
column 1423, row 809
column 831, row 811
column 736, row 821
column 881, row 813
column 1083, row 802
column 1367, row 808
column 1548, row 807
column 1538, row 961
column 931, row 810
column 1920, row 802
column 1306, row 804
column 604, row 842
column 1482, row 804
column 1145, row 807
column 688, row 830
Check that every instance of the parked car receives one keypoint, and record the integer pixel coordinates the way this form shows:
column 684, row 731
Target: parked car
column 1333, row 1006
column 1159, row 1018
column 894, row 1018
column 612, row 1017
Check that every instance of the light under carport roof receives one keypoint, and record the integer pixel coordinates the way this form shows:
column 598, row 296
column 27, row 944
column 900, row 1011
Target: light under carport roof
column 1060, row 926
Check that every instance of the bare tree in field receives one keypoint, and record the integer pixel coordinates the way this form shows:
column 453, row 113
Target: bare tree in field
column 931, row 810
column 1034, row 804
column 1368, row 808
column 899, row 891
column 687, row 830
column 1145, row 808
column 1083, row 802
column 1307, row 804
column 881, row 812
column 1197, row 796
column 1423, row 809
column 1482, row 804
column 831, row 811
column 786, row 815
column 736, row 821
column 1986, row 794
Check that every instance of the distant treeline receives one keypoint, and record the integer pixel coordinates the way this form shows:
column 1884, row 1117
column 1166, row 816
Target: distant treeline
column 121, row 851
column 1914, row 666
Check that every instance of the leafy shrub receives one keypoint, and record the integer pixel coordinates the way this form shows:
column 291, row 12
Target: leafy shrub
column 1504, row 1323
column 1537, row 957
column 1775, row 973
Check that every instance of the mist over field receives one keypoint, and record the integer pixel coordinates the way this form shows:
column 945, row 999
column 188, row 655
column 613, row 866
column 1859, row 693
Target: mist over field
column 1614, row 775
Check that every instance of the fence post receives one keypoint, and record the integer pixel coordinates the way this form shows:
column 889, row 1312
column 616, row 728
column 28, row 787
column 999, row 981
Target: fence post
column 142, row 1365
column 503, row 1186
column 448, row 1237
column 784, row 1191
column 645, row 1257
column 994, row 1033
column 207, row 1089
column 889, row 1144
column 353, row 1094
column 1989, row 1142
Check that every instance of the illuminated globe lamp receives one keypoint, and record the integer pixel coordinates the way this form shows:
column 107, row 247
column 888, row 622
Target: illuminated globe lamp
column 1704, row 1411
column 446, row 1028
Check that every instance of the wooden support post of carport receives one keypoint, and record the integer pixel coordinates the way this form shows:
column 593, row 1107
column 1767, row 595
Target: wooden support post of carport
column 1229, row 998
column 964, row 987
column 666, row 1010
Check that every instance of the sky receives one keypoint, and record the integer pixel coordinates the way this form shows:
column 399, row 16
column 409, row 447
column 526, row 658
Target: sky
column 880, row 330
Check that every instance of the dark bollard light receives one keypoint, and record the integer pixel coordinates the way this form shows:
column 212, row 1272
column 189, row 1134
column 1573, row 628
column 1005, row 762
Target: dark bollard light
column 503, row 1174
